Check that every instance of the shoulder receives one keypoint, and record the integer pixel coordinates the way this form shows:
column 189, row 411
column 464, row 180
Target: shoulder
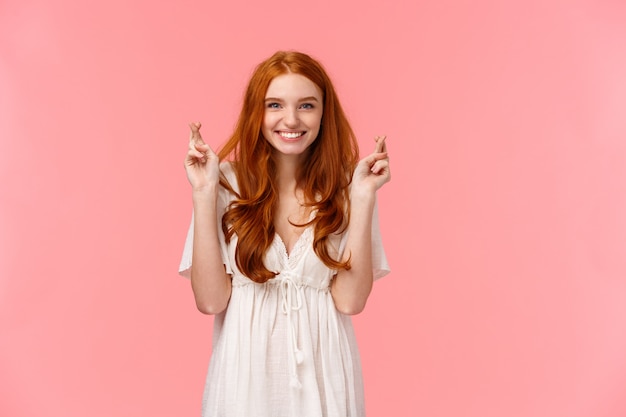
column 229, row 175
column 227, row 169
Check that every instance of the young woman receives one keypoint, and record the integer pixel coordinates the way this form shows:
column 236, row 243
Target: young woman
column 284, row 246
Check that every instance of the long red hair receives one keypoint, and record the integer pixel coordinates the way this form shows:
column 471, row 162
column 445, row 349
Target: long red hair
column 324, row 177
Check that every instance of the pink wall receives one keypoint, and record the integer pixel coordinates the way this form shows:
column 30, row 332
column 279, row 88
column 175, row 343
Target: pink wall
column 504, row 221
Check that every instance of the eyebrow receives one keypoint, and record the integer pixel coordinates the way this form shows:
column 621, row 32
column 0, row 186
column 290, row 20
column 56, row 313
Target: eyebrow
column 310, row 98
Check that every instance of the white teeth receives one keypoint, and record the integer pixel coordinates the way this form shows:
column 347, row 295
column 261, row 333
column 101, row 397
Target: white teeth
column 291, row 135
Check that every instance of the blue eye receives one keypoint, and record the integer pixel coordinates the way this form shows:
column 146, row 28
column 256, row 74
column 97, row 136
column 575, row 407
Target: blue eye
column 273, row 105
column 307, row 106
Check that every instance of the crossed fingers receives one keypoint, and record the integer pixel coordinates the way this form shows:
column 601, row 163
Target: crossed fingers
column 197, row 147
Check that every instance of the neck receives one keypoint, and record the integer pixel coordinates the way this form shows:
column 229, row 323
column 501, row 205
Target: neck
column 287, row 167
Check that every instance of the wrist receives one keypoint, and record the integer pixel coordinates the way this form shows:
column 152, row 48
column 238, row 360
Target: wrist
column 359, row 196
column 362, row 204
column 204, row 193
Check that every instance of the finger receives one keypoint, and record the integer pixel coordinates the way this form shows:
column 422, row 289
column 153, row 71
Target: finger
column 194, row 135
column 194, row 154
column 367, row 164
column 193, row 160
column 377, row 157
column 381, row 145
column 202, row 147
column 380, row 167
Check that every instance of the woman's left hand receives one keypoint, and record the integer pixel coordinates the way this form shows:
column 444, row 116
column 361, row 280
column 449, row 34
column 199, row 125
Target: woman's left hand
column 372, row 172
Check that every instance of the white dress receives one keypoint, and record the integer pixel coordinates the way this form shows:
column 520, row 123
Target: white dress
column 281, row 348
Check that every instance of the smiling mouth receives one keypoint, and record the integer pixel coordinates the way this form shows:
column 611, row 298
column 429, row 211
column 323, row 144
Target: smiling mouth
column 290, row 135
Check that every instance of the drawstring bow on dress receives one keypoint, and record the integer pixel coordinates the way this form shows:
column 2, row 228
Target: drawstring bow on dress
column 291, row 293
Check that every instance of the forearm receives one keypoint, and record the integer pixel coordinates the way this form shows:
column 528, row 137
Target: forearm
column 351, row 288
column 210, row 283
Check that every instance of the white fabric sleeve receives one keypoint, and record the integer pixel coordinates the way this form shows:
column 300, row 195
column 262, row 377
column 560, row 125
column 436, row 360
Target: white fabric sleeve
column 184, row 269
column 380, row 267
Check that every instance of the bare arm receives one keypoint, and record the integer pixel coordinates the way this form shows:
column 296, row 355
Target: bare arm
column 210, row 283
column 351, row 288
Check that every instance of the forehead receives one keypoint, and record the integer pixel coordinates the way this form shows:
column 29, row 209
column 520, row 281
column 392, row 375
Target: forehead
column 292, row 86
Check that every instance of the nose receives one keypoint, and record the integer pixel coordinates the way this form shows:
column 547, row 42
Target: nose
column 291, row 118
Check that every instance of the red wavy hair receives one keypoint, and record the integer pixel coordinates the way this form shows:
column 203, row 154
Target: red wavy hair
column 324, row 177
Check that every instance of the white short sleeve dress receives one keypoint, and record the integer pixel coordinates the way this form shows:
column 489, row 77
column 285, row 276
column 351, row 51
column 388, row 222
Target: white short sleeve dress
column 281, row 348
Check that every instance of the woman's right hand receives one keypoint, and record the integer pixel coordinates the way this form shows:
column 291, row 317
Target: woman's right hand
column 201, row 163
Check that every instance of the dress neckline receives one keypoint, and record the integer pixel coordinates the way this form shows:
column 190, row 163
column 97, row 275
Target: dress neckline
column 297, row 247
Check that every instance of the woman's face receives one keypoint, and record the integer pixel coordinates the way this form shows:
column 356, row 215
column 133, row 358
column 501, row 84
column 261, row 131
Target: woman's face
column 293, row 113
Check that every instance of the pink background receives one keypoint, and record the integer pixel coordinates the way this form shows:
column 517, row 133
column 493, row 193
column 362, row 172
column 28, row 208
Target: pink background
column 504, row 222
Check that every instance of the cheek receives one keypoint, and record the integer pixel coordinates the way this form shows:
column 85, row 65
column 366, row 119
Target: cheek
column 313, row 120
column 266, row 128
column 270, row 118
column 317, row 122
column 268, row 122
